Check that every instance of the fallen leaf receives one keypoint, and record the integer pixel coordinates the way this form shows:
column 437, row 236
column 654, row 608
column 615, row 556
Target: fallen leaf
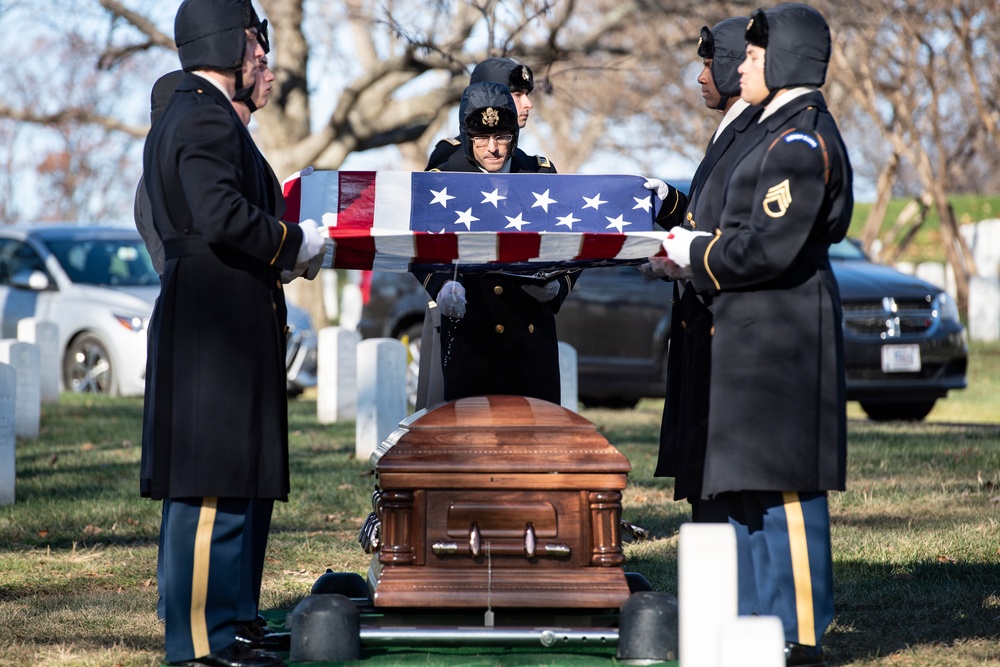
column 345, row 486
column 87, row 446
column 44, row 532
column 92, row 530
column 944, row 558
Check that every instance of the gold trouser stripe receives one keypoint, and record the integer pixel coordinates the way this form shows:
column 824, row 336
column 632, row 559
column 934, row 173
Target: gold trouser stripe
column 800, row 568
column 199, row 577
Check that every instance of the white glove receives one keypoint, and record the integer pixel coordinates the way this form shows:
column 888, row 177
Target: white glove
column 312, row 243
column 678, row 245
column 288, row 275
column 659, row 187
column 661, row 266
column 543, row 293
column 451, row 300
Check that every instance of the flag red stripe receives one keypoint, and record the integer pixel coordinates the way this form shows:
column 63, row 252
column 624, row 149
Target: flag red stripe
column 293, row 200
column 356, row 207
column 437, row 248
column 517, row 246
column 600, row 246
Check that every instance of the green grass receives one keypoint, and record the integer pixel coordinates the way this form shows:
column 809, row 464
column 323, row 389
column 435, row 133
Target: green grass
column 927, row 245
column 915, row 536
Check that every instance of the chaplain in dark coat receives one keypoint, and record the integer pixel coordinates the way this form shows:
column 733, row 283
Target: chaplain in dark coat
column 777, row 417
column 511, row 73
column 215, row 441
column 505, row 341
column 684, row 428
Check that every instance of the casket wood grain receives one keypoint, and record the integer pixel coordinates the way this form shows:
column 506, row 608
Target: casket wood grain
column 499, row 500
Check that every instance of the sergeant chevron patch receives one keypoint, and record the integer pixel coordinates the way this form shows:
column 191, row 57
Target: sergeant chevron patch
column 778, row 199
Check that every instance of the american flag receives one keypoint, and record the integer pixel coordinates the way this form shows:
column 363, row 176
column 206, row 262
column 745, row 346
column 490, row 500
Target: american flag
column 395, row 220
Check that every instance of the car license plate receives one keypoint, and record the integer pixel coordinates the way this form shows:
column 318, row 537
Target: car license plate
column 900, row 358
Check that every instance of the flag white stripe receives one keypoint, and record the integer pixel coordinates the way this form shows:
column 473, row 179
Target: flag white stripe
column 557, row 246
column 320, row 192
column 477, row 247
column 392, row 200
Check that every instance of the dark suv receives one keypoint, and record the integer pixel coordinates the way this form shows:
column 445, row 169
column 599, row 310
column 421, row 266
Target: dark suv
column 904, row 344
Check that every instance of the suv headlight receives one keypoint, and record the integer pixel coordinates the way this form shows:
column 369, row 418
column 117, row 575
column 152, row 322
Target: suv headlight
column 946, row 307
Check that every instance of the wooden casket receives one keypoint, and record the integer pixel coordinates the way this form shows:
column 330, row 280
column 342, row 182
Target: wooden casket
column 500, row 501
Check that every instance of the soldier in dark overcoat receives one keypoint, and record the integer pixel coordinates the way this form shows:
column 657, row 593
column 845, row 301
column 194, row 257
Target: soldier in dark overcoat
column 684, row 429
column 505, row 343
column 216, row 435
column 777, row 418
column 511, row 73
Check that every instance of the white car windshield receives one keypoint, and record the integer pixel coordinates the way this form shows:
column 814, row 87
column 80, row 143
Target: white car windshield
column 116, row 262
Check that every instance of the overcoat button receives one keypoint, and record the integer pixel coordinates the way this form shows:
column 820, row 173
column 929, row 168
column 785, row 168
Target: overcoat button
column 498, row 290
column 531, row 328
column 499, row 328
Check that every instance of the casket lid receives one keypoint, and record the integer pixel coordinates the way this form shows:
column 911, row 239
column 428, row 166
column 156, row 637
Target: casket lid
column 498, row 433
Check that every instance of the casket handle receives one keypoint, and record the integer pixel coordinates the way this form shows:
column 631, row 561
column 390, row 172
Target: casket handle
column 475, row 540
column 530, row 543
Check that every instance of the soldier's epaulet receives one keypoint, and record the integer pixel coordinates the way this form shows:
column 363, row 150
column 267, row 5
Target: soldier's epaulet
column 454, row 141
column 543, row 161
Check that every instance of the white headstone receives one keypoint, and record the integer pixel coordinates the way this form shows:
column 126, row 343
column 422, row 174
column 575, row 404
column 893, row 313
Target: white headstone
column 46, row 336
column 568, row 378
column 381, row 392
column 331, row 301
column 984, row 308
column 28, row 405
column 336, row 375
column 932, row 272
column 707, row 595
column 752, row 641
column 351, row 301
column 983, row 239
column 8, row 467
column 905, row 267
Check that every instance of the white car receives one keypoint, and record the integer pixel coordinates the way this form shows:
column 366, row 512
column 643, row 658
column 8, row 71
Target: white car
column 98, row 285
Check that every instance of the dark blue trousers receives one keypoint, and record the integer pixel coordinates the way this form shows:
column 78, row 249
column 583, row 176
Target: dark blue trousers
column 785, row 566
column 209, row 569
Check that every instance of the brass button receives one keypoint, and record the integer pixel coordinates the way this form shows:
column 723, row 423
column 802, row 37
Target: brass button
column 694, row 225
column 499, row 328
column 498, row 290
column 531, row 328
column 711, row 332
column 690, row 216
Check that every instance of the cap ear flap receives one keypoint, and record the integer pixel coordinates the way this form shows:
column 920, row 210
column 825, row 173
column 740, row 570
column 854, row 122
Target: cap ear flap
column 706, row 43
column 262, row 37
column 757, row 29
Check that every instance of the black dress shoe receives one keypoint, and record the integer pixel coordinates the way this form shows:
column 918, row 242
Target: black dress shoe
column 236, row 654
column 257, row 635
column 803, row 655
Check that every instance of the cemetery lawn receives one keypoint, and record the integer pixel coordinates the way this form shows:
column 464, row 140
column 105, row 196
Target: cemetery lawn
column 916, row 540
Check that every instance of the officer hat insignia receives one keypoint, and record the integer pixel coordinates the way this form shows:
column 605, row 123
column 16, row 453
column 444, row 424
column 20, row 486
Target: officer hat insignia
column 749, row 25
column 524, row 73
column 778, row 199
column 491, row 117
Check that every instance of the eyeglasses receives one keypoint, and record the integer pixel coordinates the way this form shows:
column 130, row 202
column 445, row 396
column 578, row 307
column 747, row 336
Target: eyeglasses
column 481, row 141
